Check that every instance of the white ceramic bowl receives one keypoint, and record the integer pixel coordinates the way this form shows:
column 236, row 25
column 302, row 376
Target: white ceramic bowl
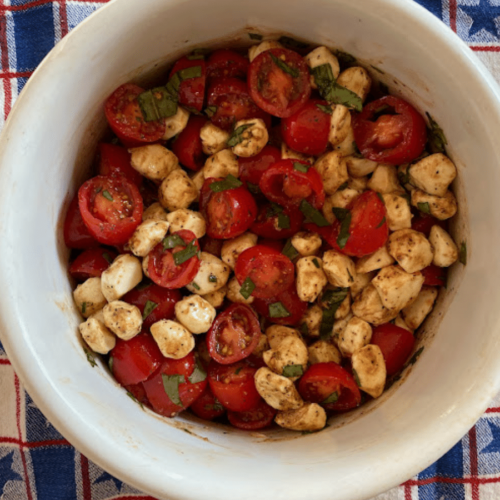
column 44, row 154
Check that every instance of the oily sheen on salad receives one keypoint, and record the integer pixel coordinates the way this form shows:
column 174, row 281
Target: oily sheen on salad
column 264, row 234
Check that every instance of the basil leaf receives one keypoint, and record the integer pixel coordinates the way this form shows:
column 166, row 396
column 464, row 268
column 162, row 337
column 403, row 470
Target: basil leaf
column 357, row 152
column 107, row 195
column 332, row 398
column 343, row 186
column 356, row 377
column 435, row 136
column 110, row 364
column 344, row 216
column 293, row 371
column 236, row 136
column 187, row 253
column 340, row 213
column 148, row 309
column 172, row 241
column 278, row 310
column 346, row 59
column 194, row 57
column 134, row 399
column 283, row 221
column 212, row 278
column 84, row 307
column 414, row 358
column 171, row 387
column 217, row 406
column 274, row 209
column 230, row 182
column 424, row 207
column 380, row 197
column 291, row 43
column 160, row 102
column 301, row 167
column 404, row 177
column 238, row 370
column 284, row 66
column 304, row 329
column 255, row 36
column 289, row 250
column 316, row 263
column 247, row 288
column 330, row 302
column 195, row 285
column 313, row 215
column 199, row 374
column 462, row 255
column 188, row 73
column 382, row 222
column 192, row 110
column 326, row 109
column 90, row 357
column 107, row 257
column 210, row 111
column 253, row 188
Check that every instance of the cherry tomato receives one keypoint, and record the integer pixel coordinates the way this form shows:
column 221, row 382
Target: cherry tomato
column 139, row 393
column 277, row 223
column 211, row 245
column 182, row 390
column 187, row 147
column 125, row 117
column 228, row 213
column 290, row 300
column 232, row 102
column 191, row 90
column 162, row 267
column 322, row 380
column 270, row 271
column 134, row 360
column 115, row 161
column 91, row 263
column 395, row 138
column 434, row 275
column 233, row 335
column 149, row 192
column 252, row 168
column 224, row 63
column 286, row 184
column 396, row 345
column 111, row 208
column 424, row 222
column 207, row 406
column 76, row 234
column 273, row 87
column 277, row 245
column 252, row 420
column 234, row 385
column 164, row 299
column 307, row 130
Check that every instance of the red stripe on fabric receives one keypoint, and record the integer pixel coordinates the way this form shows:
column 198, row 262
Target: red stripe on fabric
column 407, row 491
column 35, row 444
column 86, row 487
column 473, row 463
column 485, row 48
column 7, row 88
column 493, row 410
column 452, row 480
column 453, row 15
column 63, row 16
column 4, row 362
column 12, row 74
column 37, row 3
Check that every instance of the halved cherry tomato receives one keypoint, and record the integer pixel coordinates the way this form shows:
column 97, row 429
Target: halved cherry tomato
column 287, row 184
column 76, row 234
column 234, row 385
column 134, row 360
column 164, row 299
column 278, row 81
column 162, row 267
column 424, row 222
column 434, row 275
column 390, row 138
column 115, row 160
column 224, row 63
column 277, row 245
column 322, row 381
column 228, row 213
column 396, row 345
column 232, row 102
column 139, row 393
column 182, row 388
column 211, row 245
column 207, row 406
column 187, row 147
column 277, row 222
column 251, row 420
column 270, row 271
column 233, row 335
column 125, row 117
column 91, row 263
column 111, row 208
column 307, row 130
column 252, row 168
column 290, row 300
column 191, row 90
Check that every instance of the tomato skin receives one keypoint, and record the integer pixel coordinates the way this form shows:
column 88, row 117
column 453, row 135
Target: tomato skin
column 192, row 90
column 224, row 63
column 165, row 300
column 233, row 335
column 307, row 130
column 162, row 268
column 136, row 359
column 233, row 385
column 187, row 147
column 322, row 379
column 91, row 263
column 393, row 139
column 434, row 275
column 271, row 271
column 252, row 168
column 125, row 117
column 275, row 91
column 277, row 245
column 137, row 390
column 396, row 345
column 424, row 222
column 252, row 420
column 76, row 234
column 228, row 213
column 207, row 406
column 188, row 392
column 115, row 161
column 211, row 245
column 110, row 222
column 286, row 186
column 266, row 225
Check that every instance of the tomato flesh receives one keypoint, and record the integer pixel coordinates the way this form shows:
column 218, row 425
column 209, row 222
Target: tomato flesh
column 191, row 90
column 115, row 161
column 207, row 406
column 75, row 231
column 257, row 418
column 187, row 147
column 269, row 221
column 434, row 275
column 224, row 63
column 253, row 167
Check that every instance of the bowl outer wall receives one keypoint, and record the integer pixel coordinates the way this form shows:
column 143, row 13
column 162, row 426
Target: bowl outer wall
column 449, row 387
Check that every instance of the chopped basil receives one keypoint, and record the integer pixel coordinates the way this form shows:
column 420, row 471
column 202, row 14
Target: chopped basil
column 247, row 288
column 230, row 182
column 199, row 374
column 84, row 307
column 255, row 36
column 291, row 43
column 381, row 198
column 187, row 73
column 171, row 387
column 377, row 69
column 304, row 329
column 160, row 102
column 435, row 136
column 284, row 66
column 356, row 377
column 195, row 285
column 326, row 109
column 414, row 358
column 237, row 135
column 343, row 186
column 110, row 364
column 424, row 207
column 346, row 59
column 107, row 195
column 210, row 111
column 301, row 167
column 332, row 398
column 192, row 110
column 313, row 215
column 172, row 241
column 212, row 278
column 289, row 250
column 274, row 209
column 382, row 222
column 194, row 57
column 293, row 371
column 217, row 406
column 404, row 177
column 184, row 255
column 283, row 221
column 253, row 188
column 357, row 152
column 463, row 253
column 148, row 309
column 278, row 310
column 107, row 257
column 134, row 399
column 90, row 357
column 344, row 216
column 330, row 302
column 238, row 370
column 316, row 263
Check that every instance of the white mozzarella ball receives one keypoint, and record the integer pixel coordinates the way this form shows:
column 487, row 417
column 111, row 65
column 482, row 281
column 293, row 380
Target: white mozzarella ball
column 121, row 276
column 154, row 161
column 88, row 297
column 124, row 320
column 174, row 341
column 195, row 313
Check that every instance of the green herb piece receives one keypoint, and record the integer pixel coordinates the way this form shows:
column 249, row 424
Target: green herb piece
column 107, row 195
column 283, row 221
column 194, row 57
column 435, row 136
column 356, row 377
column 304, row 329
column 255, row 36
column 344, row 216
column 84, row 307
column 404, row 177
column 183, row 255
column 238, row 370
column 462, row 256
column 289, row 250
column 188, row 73
column 293, row 371
column 171, row 387
column 210, row 111
column 253, row 188
column 326, row 109
column 351, row 279
column 172, row 241
column 414, row 358
column 148, row 309
column 330, row 302
column 343, row 186
column 278, row 310
column 247, row 288
column 313, row 215
column 90, row 357
column 195, row 285
column 134, row 399
column 237, row 135
column 202, row 51
column 160, row 102
column 199, row 374
column 217, row 406
column 192, row 110
column 381, row 198
column 316, row 263
column 357, row 152
column 291, row 43
column 346, row 59
column 110, row 364
column 284, row 66
column 301, row 167
column 230, row 182
column 424, row 207
column 212, row 278
column 332, row 398
column 107, row 257
column 382, row 222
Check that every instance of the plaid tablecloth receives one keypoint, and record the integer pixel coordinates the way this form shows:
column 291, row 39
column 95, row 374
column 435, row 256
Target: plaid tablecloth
column 36, row 462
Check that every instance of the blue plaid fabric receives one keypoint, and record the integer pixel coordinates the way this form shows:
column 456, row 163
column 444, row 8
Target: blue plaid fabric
column 36, row 462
